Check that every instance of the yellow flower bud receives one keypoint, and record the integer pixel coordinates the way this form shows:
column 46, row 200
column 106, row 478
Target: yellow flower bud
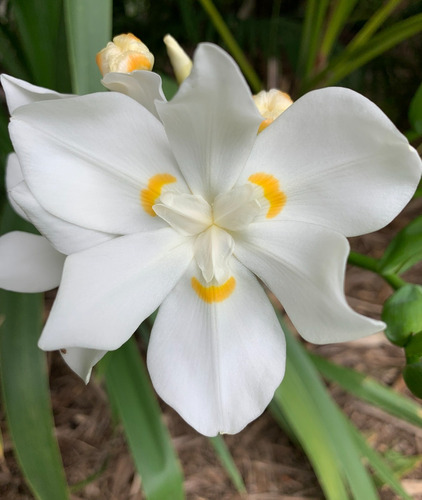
column 271, row 104
column 181, row 62
column 126, row 53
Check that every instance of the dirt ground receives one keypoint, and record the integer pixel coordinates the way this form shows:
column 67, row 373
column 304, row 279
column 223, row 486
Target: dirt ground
column 272, row 467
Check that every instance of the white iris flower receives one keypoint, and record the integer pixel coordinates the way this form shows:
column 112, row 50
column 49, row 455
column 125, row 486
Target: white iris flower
column 182, row 205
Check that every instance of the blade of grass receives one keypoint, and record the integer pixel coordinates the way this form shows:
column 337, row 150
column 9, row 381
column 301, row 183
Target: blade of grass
column 349, row 61
column 372, row 25
column 320, row 428
column 38, row 23
column 339, row 17
column 232, row 45
column 11, row 57
column 88, row 27
column 382, row 470
column 311, row 36
column 131, row 394
column 227, row 461
column 25, row 390
column 370, row 390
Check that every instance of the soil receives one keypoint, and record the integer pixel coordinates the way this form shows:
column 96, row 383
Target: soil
column 272, row 467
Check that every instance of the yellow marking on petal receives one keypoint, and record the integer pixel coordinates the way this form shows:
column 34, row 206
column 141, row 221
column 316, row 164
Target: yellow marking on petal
column 210, row 294
column 271, row 187
column 264, row 124
column 152, row 192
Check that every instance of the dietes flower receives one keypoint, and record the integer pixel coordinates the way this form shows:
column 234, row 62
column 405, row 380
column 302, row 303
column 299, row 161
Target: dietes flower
column 201, row 206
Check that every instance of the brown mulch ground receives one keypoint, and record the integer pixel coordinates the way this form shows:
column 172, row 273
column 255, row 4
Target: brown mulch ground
column 272, row 467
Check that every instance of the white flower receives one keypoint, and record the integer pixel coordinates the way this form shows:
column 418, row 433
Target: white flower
column 196, row 206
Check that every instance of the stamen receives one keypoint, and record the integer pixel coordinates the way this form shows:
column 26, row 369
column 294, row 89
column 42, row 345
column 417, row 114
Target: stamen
column 271, row 187
column 210, row 294
column 155, row 185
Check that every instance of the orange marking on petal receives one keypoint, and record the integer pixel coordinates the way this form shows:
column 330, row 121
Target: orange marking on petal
column 138, row 61
column 264, row 124
column 271, row 187
column 210, row 294
column 153, row 191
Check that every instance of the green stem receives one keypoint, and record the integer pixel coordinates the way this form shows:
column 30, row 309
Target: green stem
column 232, row 45
column 357, row 259
column 365, row 262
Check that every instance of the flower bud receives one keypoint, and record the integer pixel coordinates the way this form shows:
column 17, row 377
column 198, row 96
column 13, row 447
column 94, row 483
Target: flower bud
column 181, row 62
column 271, row 104
column 126, row 53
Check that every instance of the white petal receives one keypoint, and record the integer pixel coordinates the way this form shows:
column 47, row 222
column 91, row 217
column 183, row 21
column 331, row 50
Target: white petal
column 82, row 360
column 340, row 161
column 187, row 213
column 67, row 238
column 211, row 123
column 217, row 364
column 143, row 86
column 18, row 93
column 236, row 209
column 213, row 250
column 14, row 177
column 86, row 159
column 28, row 263
column 108, row 290
column 304, row 266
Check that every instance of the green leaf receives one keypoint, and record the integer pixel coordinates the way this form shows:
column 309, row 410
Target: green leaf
column 12, row 59
column 338, row 19
column 227, row 461
column 170, row 86
column 131, row 394
column 39, row 23
column 373, row 24
column 402, row 464
column 379, row 465
column 25, row 389
column 368, row 389
column 415, row 111
column 232, row 45
column 403, row 314
column 311, row 36
column 88, row 27
column 321, row 428
column 405, row 250
column 350, row 60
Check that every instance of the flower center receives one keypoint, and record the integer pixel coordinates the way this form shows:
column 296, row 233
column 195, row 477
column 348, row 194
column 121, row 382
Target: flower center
column 213, row 224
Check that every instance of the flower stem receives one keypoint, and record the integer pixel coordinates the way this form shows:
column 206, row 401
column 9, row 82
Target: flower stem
column 232, row 45
column 365, row 262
